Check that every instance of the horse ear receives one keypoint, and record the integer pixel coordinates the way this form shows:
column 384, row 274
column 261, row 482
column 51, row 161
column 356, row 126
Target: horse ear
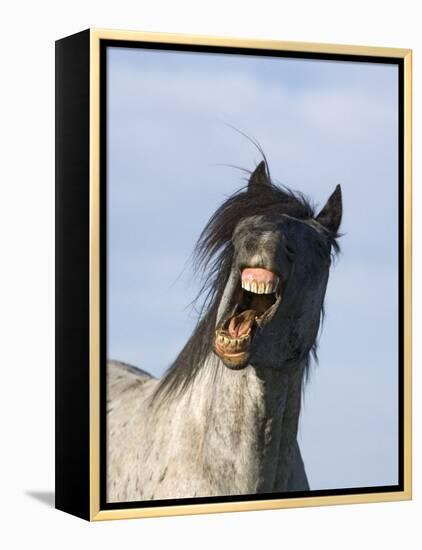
column 259, row 176
column 330, row 215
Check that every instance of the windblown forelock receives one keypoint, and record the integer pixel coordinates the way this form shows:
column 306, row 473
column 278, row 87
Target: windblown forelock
column 213, row 253
column 264, row 200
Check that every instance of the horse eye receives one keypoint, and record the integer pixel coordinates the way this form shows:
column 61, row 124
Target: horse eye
column 289, row 250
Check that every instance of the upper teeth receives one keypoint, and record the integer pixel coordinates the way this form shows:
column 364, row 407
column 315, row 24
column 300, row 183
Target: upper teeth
column 260, row 287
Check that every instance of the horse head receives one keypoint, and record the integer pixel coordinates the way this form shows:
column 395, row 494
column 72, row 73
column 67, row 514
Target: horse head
column 269, row 311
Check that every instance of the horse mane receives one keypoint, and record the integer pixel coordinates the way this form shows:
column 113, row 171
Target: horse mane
column 212, row 260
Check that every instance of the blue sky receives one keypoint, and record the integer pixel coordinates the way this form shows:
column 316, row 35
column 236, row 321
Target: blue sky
column 320, row 123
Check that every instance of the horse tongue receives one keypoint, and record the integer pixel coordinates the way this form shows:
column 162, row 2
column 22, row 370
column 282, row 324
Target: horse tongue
column 240, row 324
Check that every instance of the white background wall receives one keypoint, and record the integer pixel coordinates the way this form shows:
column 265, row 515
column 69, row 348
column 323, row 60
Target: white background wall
column 27, row 271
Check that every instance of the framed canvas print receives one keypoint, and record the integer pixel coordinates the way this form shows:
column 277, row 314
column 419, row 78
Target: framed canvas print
column 233, row 274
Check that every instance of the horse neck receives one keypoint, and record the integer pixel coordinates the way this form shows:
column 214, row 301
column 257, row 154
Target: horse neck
column 245, row 423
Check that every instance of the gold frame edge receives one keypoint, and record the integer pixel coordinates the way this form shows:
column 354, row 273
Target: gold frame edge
column 94, row 276
column 407, row 276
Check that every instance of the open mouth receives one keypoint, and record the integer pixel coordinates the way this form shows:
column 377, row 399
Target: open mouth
column 254, row 303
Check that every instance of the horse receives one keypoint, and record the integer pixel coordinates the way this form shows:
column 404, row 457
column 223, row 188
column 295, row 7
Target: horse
column 223, row 420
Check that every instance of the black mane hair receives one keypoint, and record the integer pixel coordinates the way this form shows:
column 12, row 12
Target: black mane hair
column 213, row 257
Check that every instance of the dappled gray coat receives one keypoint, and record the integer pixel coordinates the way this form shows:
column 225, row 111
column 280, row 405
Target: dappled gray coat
column 223, row 420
